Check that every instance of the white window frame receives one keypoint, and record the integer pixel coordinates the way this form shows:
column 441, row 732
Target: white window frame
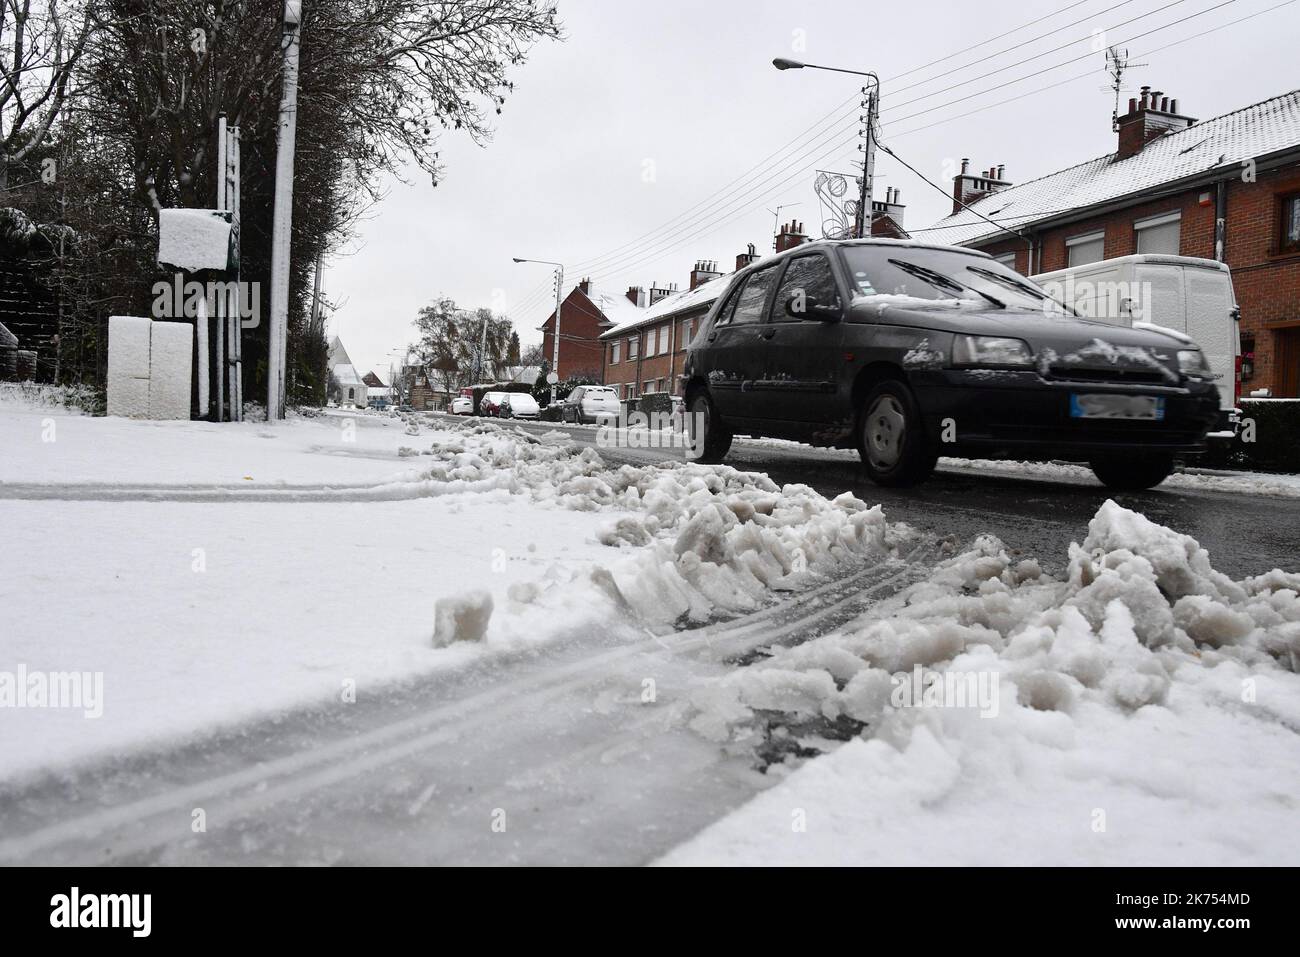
column 663, row 339
column 614, row 350
column 632, row 343
column 650, row 344
column 1006, row 259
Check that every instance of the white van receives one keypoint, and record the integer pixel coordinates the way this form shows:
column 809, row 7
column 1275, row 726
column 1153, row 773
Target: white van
column 1190, row 297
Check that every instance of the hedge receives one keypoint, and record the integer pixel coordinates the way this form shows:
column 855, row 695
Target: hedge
column 1268, row 440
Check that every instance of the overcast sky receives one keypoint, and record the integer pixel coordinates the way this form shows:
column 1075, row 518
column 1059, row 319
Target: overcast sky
column 658, row 133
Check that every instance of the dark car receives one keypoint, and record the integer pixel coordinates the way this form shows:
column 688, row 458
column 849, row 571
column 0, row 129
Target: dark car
column 907, row 351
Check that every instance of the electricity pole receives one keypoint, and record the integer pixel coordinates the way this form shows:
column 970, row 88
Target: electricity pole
column 862, row 221
column 559, row 301
column 282, row 226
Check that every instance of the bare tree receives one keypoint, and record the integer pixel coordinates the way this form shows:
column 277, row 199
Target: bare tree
column 41, row 45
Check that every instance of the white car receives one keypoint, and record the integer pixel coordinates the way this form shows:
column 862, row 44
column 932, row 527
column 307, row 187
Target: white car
column 519, row 405
column 462, row 405
column 590, row 403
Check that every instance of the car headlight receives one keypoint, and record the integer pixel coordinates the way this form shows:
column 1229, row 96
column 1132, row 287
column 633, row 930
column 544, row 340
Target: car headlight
column 1192, row 362
column 988, row 351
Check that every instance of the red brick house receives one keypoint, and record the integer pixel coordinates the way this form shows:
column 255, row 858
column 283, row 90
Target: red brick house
column 1227, row 188
column 585, row 313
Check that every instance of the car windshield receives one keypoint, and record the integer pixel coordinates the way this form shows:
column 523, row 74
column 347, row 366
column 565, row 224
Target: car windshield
column 921, row 273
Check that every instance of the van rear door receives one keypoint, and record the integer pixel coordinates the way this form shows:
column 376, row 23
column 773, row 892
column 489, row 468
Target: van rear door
column 1210, row 322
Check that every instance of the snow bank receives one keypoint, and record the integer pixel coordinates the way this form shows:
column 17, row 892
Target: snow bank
column 699, row 540
column 1144, row 689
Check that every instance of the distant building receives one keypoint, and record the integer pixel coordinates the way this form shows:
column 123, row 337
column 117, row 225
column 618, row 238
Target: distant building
column 346, row 386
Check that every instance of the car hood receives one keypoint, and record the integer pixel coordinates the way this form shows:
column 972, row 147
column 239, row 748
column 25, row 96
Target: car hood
column 1055, row 340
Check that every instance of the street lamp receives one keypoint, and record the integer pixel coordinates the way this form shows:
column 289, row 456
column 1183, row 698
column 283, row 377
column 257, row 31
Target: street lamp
column 862, row 221
column 559, row 295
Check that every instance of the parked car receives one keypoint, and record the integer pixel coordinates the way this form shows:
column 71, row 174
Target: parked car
column 520, row 405
column 1192, row 297
column 590, row 403
column 462, row 405
column 490, row 404
column 405, row 407
column 906, row 351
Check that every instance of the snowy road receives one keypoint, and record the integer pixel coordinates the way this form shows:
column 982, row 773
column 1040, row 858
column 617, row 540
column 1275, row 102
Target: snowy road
column 1247, row 534
column 665, row 644
column 537, row 759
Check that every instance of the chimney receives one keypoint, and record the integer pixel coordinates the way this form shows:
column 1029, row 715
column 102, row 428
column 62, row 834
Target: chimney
column 967, row 188
column 791, row 235
column 891, row 207
column 658, row 292
column 1150, row 115
column 585, row 286
column 745, row 258
column 704, row 271
column 634, row 295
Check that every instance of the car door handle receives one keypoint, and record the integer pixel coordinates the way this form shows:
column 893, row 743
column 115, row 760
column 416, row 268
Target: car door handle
column 767, row 333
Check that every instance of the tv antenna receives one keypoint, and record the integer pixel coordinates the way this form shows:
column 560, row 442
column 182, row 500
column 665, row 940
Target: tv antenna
column 1117, row 63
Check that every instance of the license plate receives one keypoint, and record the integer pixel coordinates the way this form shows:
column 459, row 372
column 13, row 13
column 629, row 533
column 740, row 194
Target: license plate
column 1150, row 408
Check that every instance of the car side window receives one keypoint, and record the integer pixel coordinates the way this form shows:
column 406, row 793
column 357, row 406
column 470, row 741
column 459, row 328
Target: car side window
column 752, row 297
column 807, row 279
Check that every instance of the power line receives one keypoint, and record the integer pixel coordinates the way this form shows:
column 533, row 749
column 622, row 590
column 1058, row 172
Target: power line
column 626, row 260
column 592, row 262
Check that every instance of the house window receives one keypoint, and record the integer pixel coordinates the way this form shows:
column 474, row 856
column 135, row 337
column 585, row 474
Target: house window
column 1006, row 259
column 1158, row 234
column 686, row 335
column 631, row 347
column 650, row 343
column 1289, row 234
column 663, row 340
column 648, row 386
column 614, row 350
column 1086, row 248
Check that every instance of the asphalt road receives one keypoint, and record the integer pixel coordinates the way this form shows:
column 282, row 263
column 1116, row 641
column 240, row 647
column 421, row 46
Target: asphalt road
column 1245, row 534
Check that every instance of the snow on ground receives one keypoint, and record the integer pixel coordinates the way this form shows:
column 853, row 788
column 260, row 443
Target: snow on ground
column 214, row 573
column 1144, row 710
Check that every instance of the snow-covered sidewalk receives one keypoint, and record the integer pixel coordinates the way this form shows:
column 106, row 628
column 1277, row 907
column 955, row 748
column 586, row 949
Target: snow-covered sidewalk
column 214, row 574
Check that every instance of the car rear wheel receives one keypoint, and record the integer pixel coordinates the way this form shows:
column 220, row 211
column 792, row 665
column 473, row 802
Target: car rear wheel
column 708, row 439
column 892, row 439
column 1132, row 472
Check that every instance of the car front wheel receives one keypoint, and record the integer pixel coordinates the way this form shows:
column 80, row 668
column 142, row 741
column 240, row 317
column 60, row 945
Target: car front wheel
column 1132, row 472
column 891, row 437
column 708, row 440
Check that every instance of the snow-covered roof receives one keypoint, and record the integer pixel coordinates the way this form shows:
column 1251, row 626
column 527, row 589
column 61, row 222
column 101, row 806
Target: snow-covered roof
column 615, row 307
column 701, row 296
column 1223, row 143
column 338, row 355
column 346, row 374
column 528, row 375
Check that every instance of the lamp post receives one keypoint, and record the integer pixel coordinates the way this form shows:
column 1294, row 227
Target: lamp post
column 282, row 221
column 862, row 221
column 559, row 297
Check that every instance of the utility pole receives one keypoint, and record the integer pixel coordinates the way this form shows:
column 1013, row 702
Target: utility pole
column 282, row 228
column 559, row 301
column 862, row 223
column 555, row 351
